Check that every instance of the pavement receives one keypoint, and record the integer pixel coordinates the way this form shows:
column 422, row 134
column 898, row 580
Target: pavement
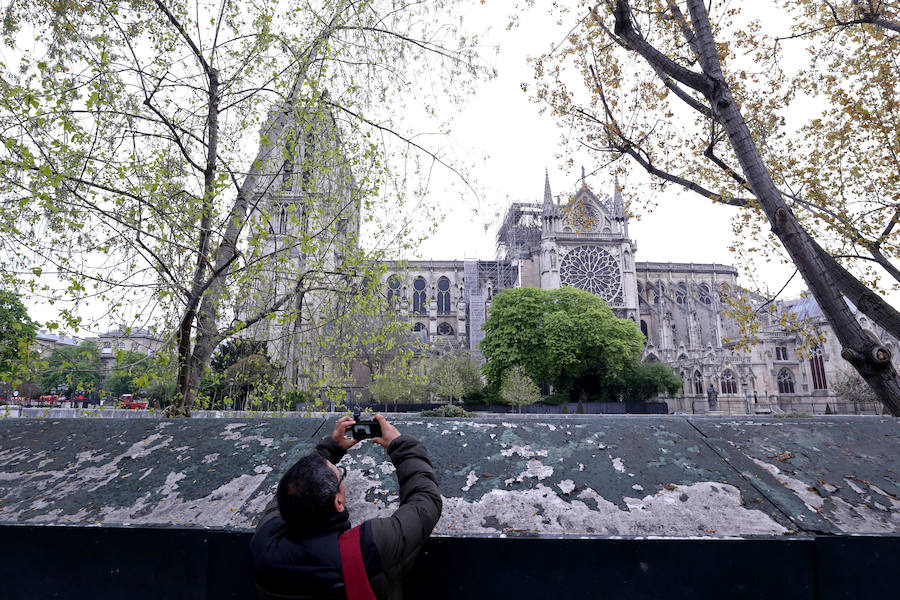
column 501, row 476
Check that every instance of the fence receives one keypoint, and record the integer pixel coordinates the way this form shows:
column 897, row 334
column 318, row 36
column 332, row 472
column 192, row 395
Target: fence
column 591, row 408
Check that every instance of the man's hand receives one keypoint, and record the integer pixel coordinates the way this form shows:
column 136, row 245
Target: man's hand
column 388, row 432
column 339, row 434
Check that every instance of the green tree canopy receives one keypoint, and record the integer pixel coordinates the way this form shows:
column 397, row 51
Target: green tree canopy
column 234, row 350
column 130, row 132
column 793, row 118
column 557, row 336
column 647, row 380
column 77, row 367
column 128, row 374
column 453, row 375
column 17, row 333
column 518, row 388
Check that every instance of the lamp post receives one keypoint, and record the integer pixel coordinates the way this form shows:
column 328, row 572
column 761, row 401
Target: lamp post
column 744, row 386
column 230, row 391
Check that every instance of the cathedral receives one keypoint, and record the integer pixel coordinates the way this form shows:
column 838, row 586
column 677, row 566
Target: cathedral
column 583, row 242
column 307, row 225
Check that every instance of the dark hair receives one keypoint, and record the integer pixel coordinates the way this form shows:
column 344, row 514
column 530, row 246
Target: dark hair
column 306, row 492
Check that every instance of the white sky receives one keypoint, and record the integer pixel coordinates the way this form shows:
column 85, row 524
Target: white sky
column 502, row 133
column 503, row 126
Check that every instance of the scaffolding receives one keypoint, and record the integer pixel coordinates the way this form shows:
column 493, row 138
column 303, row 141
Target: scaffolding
column 520, row 234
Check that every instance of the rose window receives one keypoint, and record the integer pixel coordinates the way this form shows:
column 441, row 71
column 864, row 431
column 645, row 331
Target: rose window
column 594, row 270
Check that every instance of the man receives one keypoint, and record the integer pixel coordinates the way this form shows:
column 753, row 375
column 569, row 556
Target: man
column 296, row 552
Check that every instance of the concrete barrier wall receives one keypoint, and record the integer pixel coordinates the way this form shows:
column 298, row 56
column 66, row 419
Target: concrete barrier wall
column 529, row 501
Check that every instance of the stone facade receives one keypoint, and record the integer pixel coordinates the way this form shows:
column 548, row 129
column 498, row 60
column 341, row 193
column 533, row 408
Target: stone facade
column 679, row 307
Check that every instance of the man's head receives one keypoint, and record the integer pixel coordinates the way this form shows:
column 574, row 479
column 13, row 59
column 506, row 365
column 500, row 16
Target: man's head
column 310, row 493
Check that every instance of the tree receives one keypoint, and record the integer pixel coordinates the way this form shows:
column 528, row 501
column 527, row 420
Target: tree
column 849, row 387
column 125, row 129
column 128, row 373
column 453, row 375
column 672, row 92
column 17, row 334
column 518, row 389
column 557, row 337
column 254, row 379
column 647, row 380
column 233, row 350
column 76, row 367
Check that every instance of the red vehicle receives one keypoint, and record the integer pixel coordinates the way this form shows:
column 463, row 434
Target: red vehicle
column 129, row 401
column 50, row 400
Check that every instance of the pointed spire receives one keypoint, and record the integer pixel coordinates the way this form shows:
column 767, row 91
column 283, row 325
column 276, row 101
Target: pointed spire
column 583, row 182
column 618, row 203
column 548, row 197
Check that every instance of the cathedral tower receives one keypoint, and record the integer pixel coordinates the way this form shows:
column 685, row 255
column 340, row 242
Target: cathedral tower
column 585, row 244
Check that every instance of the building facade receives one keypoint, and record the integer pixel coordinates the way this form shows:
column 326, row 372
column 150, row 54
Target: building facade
column 680, row 307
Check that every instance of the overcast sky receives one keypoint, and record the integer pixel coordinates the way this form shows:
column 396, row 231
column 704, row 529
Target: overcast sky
column 502, row 125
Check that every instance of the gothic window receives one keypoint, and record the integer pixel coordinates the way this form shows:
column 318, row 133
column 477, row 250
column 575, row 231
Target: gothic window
column 640, row 289
column 704, row 294
column 282, row 218
column 785, row 382
column 420, row 303
column 682, row 357
column 645, row 331
column 656, row 295
column 698, row 383
column 680, row 293
column 781, row 353
column 729, row 385
column 445, row 329
column 594, row 270
column 308, row 152
column 817, row 366
column 393, row 291
column 723, row 292
column 443, row 296
column 419, row 327
column 288, row 168
column 652, row 358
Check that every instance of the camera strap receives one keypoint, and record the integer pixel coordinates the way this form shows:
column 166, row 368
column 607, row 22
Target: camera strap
column 356, row 581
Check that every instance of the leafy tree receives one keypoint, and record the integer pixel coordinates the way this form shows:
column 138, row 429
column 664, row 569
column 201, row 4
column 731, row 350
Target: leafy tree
column 161, row 390
column 557, row 337
column 254, row 378
column 126, row 129
column 391, row 388
column 850, row 388
column 233, row 350
column 129, row 371
column 78, row 367
column 17, row 334
column 453, row 375
column 647, row 380
column 668, row 92
column 518, row 388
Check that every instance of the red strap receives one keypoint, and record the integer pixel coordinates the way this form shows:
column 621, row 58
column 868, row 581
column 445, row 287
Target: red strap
column 356, row 581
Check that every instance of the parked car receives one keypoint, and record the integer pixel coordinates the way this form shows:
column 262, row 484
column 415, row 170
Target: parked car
column 129, row 401
column 50, row 400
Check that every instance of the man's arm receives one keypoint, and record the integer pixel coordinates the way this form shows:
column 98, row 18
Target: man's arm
column 400, row 536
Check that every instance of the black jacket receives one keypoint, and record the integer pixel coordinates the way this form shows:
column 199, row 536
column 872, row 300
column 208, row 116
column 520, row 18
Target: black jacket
column 308, row 565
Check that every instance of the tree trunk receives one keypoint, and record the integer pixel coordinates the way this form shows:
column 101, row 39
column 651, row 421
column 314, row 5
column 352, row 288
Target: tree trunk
column 867, row 356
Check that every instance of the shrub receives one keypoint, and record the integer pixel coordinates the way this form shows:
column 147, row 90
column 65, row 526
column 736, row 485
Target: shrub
column 448, row 411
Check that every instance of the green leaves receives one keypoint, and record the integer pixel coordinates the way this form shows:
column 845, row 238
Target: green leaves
column 556, row 336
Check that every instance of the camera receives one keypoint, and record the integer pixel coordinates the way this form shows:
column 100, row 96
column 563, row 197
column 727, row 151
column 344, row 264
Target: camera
column 365, row 427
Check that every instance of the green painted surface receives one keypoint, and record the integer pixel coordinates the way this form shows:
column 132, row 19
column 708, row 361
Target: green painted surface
column 501, row 475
